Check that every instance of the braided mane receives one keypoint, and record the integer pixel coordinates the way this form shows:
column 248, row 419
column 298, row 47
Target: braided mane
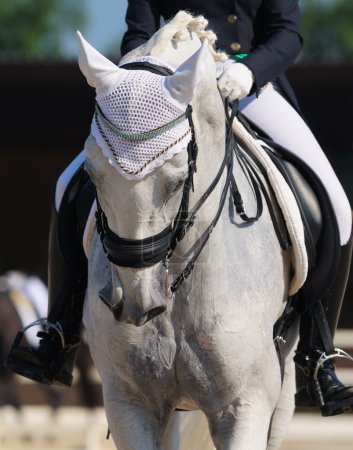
column 178, row 30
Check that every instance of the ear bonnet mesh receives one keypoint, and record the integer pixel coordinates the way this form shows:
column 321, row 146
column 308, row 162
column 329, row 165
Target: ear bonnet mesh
column 138, row 105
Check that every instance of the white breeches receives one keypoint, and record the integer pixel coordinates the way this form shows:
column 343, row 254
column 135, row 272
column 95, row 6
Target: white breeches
column 279, row 120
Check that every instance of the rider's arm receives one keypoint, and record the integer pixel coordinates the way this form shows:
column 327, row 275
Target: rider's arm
column 143, row 20
column 280, row 41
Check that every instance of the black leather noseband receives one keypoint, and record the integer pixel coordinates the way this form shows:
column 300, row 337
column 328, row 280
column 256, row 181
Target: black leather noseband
column 135, row 253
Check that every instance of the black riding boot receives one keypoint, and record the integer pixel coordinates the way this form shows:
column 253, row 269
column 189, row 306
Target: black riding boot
column 54, row 359
column 317, row 384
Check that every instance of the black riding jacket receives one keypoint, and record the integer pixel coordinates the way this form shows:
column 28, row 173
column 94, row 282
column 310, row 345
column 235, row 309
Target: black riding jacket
column 267, row 30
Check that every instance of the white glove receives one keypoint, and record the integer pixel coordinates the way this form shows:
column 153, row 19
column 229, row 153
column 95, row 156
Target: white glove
column 236, row 81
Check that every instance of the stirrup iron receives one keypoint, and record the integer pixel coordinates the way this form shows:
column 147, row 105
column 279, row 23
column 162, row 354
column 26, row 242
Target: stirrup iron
column 47, row 325
column 338, row 353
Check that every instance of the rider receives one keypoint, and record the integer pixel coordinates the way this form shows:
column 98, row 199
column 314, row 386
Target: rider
column 263, row 39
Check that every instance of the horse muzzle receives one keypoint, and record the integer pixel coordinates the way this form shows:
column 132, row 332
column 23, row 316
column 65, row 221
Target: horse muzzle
column 134, row 314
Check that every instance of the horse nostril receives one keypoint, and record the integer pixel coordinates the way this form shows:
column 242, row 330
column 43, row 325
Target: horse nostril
column 150, row 315
column 117, row 310
column 155, row 312
column 134, row 317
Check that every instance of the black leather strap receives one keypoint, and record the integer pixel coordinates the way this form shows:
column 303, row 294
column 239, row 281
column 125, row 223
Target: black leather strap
column 323, row 327
column 143, row 65
column 130, row 252
column 246, row 160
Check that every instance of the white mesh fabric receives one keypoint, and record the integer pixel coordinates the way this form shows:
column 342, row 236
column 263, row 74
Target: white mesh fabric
column 139, row 104
column 150, row 59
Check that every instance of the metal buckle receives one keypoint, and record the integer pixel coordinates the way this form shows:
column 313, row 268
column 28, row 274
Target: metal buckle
column 279, row 340
column 166, row 286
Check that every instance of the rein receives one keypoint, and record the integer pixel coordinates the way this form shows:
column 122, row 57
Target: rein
column 139, row 253
column 226, row 163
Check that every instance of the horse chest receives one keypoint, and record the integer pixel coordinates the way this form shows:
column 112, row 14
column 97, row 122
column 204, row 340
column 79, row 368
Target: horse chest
column 160, row 355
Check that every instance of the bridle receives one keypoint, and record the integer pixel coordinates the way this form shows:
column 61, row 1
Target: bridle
column 138, row 253
column 147, row 252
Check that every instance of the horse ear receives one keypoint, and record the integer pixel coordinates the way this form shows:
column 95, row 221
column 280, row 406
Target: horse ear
column 182, row 84
column 100, row 73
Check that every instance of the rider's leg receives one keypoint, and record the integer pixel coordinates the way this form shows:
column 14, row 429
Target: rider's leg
column 53, row 361
column 273, row 114
column 337, row 397
column 278, row 119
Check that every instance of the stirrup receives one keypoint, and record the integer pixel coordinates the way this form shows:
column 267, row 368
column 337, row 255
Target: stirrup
column 339, row 353
column 47, row 325
column 50, row 374
column 329, row 408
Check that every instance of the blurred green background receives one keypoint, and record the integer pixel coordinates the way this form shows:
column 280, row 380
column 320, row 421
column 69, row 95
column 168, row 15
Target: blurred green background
column 45, row 28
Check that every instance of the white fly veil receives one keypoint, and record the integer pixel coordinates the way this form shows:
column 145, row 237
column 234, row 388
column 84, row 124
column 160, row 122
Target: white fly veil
column 140, row 119
column 138, row 108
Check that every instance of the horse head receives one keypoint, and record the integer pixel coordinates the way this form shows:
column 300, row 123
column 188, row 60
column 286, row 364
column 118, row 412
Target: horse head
column 137, row 158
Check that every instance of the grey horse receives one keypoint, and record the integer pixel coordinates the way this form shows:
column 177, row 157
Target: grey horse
column 208, row 346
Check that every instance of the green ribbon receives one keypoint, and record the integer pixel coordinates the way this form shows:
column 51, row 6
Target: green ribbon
column 144, row 135
column 239, row 56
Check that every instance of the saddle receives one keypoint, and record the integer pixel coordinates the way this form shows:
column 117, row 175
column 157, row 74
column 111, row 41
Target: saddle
column 321, row 238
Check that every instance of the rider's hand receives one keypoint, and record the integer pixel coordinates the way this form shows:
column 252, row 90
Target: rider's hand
column 236, row 81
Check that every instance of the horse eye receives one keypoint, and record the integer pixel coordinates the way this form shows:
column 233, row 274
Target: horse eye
column 175, row 189
column 178, row 185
